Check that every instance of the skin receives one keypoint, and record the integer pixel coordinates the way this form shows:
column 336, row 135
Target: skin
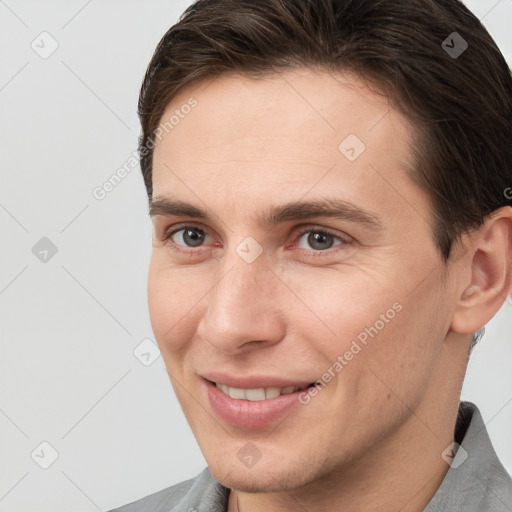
column 372, row 438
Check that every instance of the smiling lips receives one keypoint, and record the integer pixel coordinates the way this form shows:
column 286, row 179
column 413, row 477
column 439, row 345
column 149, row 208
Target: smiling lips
column 256, row 394
column 251, row 402
column 255, row 387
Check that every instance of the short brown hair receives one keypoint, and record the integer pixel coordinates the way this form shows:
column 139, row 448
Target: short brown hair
column 460, row 105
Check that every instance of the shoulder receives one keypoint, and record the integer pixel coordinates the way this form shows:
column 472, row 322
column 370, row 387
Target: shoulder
column 476, row 480
column 202, row 492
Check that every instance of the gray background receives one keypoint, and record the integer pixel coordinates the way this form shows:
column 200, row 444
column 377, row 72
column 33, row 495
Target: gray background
column 70, row 324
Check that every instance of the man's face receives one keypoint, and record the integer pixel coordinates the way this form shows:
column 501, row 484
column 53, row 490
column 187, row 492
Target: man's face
column 234, row 297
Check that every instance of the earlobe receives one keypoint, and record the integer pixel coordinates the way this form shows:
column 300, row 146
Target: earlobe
column 491, row 273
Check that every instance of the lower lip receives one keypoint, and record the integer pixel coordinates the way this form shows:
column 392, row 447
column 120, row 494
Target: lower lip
column 246, row 413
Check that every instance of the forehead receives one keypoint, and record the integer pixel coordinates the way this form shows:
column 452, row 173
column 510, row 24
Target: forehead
column 280, row 135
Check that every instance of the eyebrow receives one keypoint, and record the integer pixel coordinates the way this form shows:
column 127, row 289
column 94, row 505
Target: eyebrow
column 296, row 210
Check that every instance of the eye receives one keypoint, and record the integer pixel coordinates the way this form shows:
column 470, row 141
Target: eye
column 187, row 236
column 319, row 239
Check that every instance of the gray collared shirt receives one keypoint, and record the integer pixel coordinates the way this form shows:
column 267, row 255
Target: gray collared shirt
column 475, row 482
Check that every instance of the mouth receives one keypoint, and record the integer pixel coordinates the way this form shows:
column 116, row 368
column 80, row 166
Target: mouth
column 252, row 400
column 258, row 394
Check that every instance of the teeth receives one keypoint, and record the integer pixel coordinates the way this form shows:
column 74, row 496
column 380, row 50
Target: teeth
column 236, row 393
column 272, row 392
column 255, row 395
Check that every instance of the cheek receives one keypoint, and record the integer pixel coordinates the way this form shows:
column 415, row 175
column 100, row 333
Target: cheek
column 374, row 325
column 342, row 305
column 173, row 301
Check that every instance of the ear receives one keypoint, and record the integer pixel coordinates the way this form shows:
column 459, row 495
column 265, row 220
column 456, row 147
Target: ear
column 489, row 258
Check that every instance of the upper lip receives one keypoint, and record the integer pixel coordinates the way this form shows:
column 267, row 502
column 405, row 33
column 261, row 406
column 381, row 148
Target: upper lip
column 254, row 381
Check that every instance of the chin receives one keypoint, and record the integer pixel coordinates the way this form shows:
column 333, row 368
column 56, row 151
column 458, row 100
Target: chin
column 259, row 478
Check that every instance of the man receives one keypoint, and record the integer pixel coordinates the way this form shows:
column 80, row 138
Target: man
column 332, row 230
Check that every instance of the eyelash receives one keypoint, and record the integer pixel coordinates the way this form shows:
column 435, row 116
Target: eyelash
column 313, row 253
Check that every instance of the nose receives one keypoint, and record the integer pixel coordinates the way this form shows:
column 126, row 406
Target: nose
column 243, row 311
